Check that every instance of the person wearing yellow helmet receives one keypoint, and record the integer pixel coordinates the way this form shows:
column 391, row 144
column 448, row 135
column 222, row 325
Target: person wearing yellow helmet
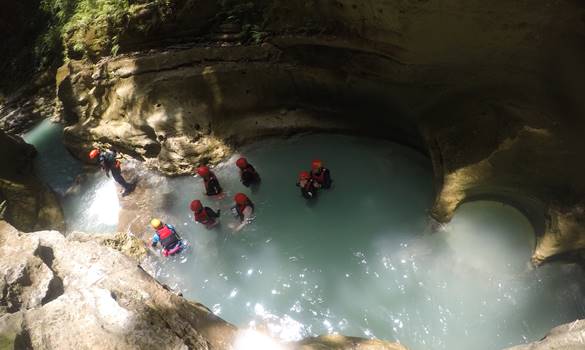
column 167, row 236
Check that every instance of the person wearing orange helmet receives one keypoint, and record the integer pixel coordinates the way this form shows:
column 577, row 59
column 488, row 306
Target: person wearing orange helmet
column 110, row 164
column 320, row 174
column 204, row 215
column 210, row 181
column 248, row 175
column 308, row 185
column 244, row 210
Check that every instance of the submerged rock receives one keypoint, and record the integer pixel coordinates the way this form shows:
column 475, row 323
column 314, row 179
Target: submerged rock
column 340, row 342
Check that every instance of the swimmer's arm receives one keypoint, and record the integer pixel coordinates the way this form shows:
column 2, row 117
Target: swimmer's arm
column 154, row 240
column 247, row 215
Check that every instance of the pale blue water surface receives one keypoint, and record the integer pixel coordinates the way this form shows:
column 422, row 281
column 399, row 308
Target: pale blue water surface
column 359, row 261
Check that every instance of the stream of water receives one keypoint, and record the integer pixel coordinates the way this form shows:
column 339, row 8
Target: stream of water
column 360, row 261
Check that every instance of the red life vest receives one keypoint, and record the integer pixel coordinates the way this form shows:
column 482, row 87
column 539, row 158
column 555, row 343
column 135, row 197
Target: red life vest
column 319, row 178
column 202, row 217
column 167, row 237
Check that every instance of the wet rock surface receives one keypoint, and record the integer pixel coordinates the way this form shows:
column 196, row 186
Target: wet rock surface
column 569, row 336
column 27, row 203
column 104, row 299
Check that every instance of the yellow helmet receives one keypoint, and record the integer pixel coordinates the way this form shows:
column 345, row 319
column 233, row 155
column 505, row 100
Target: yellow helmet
column 156, row 223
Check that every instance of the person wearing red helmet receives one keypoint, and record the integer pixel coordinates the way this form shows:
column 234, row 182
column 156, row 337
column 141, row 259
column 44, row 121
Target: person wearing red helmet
column 308, row 185
column 110, row 164
column 244, row 209
column 210, row 181
column 248, row 175
column 204, row 215
column 320, row 174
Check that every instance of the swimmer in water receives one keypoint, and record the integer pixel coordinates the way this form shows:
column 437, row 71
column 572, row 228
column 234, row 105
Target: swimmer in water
column 167, row 236
column 308, row 185
column 320, row 174
column 248, row 175
column 205, row 215
column 210, row 181
column 244, row 209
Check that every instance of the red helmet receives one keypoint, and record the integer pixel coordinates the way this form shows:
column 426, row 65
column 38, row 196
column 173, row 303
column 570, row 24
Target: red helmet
column 242, row 163
column 316, row 164
column 94, row 153
column 203, row 171
column 241, row 198
column 196, row 205
column 304, row 175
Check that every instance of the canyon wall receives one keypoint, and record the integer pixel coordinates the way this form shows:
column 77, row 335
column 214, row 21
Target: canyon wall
column 491, row 91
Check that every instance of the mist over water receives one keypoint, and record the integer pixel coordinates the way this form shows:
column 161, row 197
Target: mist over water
column 362, row 259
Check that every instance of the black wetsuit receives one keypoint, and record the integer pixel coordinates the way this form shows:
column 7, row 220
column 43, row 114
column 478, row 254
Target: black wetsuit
column 212, row 186
column 109, row 163
column 249, row 176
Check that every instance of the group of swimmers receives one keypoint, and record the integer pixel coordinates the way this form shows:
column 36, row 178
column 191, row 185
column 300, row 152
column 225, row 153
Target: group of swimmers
column 166, row 235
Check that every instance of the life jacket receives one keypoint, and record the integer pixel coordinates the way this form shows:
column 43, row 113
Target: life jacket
column 240, row 209
column 203, row 217
column 168, row 237
column 250, row 172
column 309, row 190
column 319, row 177
column 108, row 160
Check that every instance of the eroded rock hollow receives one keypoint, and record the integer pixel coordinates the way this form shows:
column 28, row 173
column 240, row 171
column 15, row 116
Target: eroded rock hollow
column 492, row 92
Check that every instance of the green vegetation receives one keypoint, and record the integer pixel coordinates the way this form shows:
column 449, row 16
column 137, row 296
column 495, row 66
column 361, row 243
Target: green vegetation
column 87, row 27
column 41, row 34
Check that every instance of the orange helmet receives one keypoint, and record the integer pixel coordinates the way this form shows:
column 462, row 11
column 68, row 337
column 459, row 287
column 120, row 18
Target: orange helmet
column 203, row 171
column 242, row 163
column 94, row 153
column 196, row 205
column 316, row 164
column 304, row 175
column 241, row 198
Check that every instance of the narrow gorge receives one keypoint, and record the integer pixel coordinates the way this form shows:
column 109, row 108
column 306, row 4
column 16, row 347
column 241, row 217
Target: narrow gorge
column 453, row 130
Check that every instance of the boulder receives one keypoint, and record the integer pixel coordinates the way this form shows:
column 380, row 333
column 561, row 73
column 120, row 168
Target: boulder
column 28, row 204
column 103, row 299
column 570, row 336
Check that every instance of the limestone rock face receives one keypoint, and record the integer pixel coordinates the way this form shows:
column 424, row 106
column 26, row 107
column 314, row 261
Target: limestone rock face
column 340, row 342
column 570, row 336
column 491, row 91
column 24, row 201
column 101, row 300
